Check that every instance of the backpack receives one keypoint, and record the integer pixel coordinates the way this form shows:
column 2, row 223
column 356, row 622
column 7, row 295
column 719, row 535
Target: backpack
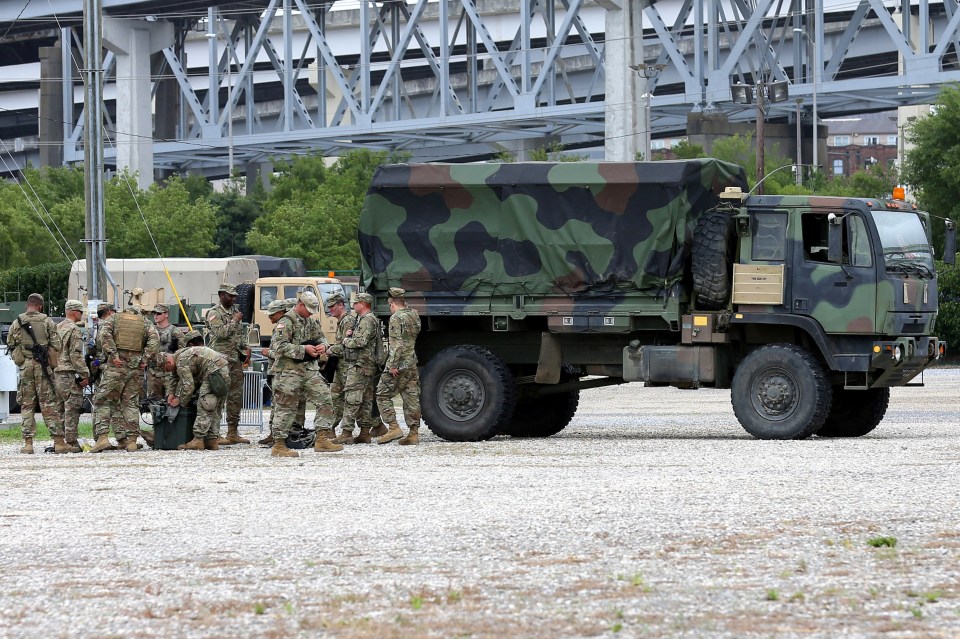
column 379, row 348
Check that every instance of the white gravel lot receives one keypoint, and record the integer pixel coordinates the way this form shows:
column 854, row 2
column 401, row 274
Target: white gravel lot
column 652, row 515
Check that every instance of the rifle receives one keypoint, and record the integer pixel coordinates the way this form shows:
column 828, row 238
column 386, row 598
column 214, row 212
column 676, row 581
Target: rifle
column 40, row 353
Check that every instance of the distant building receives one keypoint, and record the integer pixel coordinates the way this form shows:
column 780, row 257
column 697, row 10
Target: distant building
column 856, row 143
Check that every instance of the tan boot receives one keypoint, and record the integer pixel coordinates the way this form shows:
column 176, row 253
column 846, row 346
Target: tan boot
column 393, row 434
column 211, row 443
column 103, row 443
column 132, row 444
column 345, row 437
column 326, row 433
column 364, row 436
column 27, row 446
column 266, row 441
column 324, row 445
column 60, row 446
column 223, row 441
column 71, row 441
column 412, row 438
column 378, row 431
column 121, row 444
column 280, row 450
column 233, row 436
column 194, row 444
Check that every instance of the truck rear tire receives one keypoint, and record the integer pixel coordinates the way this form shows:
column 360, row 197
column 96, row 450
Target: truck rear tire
column 855, row 412
column 542, row 416
column 467, row 394
column 711, row 261
column 780, row 391
column 244, row 302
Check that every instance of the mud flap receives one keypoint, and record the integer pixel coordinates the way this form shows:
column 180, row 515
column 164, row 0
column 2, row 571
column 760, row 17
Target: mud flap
column 548, row 366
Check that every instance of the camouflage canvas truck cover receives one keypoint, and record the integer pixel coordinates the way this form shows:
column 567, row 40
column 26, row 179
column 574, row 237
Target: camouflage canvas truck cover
column 537, row 280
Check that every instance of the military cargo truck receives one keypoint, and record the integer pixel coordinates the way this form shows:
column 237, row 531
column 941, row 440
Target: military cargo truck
column 537, row 280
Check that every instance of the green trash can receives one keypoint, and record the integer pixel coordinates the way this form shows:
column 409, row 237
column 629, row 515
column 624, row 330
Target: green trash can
column 168, row 435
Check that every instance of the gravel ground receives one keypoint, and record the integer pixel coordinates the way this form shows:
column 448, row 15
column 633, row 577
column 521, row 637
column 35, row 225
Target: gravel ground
column 653, row 514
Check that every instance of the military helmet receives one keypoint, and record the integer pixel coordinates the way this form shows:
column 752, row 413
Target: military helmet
column 191, row 335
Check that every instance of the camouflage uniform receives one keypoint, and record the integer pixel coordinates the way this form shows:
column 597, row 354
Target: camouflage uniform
column 404, row 328
column 296, row 377
column 120, row 386
column 346, row 323
column 357, row 353
column 171, row 340
column 69, row 372
column 34, row 387
column 198, row 363
column 228, row 337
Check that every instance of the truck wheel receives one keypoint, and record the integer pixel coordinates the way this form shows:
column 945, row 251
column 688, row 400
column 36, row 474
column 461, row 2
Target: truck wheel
column 855, row 412
column 542, row 416
column 711, row 261
column 467, row 394
column 780, row 391
column 244, row 301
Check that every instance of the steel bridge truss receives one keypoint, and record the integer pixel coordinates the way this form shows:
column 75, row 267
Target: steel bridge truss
column 471, row 95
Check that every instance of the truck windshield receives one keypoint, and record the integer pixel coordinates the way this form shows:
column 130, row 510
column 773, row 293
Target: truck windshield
column 905, row 245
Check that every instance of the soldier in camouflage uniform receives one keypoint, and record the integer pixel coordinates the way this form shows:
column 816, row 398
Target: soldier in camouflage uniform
column 297, row 375
column 171, row 340
column 227, row 336
column 357, row 352
column 36, row 384
column 72, row 375
column 114, row 422
column 401, row 375
column 275, row 310
column 129, row 341
column 346, row 320
column 201, row 374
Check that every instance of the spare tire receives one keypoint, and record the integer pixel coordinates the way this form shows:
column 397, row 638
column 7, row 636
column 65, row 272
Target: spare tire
column 712, row 259
column 244, row 302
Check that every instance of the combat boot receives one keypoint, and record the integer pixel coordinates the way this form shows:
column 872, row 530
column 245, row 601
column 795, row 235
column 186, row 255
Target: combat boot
column 412, row 438
column 345, row 437
column 233, row 436
column 121, row 443
column 211, row 443
column 27, row 446
column 326, row 433
column 393, row 434
column 364, row 436
column 378, row 431
column 59, row 446
column 103, row 443
column 266, row 441
column 323, row 445
column 132, row 444
column 71, row 440
column 280, row 450
column 194, row 444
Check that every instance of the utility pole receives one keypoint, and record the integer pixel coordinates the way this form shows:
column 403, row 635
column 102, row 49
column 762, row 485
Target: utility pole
column 93, row 150
column 761, row 126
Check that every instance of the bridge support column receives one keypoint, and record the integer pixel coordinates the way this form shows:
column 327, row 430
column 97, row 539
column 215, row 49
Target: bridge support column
column 51, row 106
column 133, row 41
column 259, row 172
column 624, row 45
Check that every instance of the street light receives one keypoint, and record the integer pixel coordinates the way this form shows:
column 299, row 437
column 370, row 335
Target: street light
column 229, row 49
column 813, row 79
column 646, row 72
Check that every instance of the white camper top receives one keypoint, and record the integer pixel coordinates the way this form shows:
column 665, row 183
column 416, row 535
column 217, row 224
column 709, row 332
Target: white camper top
column 196, row 278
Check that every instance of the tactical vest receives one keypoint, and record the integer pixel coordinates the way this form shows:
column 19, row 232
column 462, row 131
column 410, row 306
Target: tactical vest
column 129, row 332
column 39, row 326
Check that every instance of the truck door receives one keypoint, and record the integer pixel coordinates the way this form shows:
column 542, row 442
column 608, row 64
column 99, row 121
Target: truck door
column 841, row 297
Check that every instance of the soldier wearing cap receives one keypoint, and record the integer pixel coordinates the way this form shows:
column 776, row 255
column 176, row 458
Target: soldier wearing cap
column 400, row 375
column 297, row 375
column 227, row 336
column 275, row 310
column 171, row 340
column 129, row 342
column 357, row 351
column 346, row 320
column 200, row 374
column 113, row 421
column 35, row 386
column 72, row 375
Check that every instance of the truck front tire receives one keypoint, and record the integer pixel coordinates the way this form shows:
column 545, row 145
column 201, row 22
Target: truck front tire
column 855, row 413
column 467, row 394
column 780, row 391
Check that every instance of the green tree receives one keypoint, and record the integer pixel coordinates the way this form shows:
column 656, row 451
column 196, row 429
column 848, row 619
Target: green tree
column 236, row 214
column 685, row 150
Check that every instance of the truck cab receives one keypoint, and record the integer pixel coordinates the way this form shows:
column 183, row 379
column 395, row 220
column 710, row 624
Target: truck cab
column 268, row 289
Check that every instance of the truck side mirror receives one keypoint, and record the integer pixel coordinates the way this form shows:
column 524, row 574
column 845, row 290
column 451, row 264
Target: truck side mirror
column 834, row 238
column 950, row 243
column 253, row 336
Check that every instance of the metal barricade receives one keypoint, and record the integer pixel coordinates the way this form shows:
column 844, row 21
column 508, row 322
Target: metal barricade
column 251, row 410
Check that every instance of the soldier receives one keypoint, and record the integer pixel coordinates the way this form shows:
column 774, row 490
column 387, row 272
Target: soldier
column 129, row 341
column 115, row 419
column 31, row 338
column 201, row 374
column 72, row 374
column 401, row 375
column 225, row 327
column 171, row 340
column 358, row 353
column 275, row 310
column 297, row 374
column 346, row 320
